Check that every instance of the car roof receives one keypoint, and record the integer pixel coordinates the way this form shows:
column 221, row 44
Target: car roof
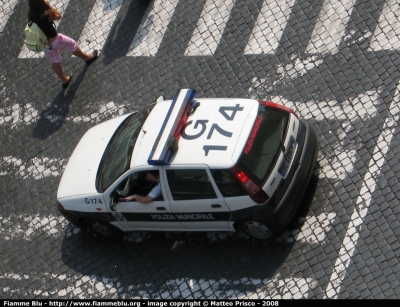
column 227, row 124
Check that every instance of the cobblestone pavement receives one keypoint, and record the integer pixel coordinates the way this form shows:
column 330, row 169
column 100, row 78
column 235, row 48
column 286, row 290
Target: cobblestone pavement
column 334, row 62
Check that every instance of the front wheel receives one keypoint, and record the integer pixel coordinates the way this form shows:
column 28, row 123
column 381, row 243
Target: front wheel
column 257, row 230
column 104, row 229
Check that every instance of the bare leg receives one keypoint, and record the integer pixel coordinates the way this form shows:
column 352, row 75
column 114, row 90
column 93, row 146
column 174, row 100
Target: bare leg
column 80, row 54
column 59, row 72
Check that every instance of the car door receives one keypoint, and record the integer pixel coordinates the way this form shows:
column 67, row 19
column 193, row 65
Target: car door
column 194, row 199
column 133, row 215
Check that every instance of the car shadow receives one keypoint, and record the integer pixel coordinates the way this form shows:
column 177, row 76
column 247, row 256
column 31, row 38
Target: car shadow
column 304, row 208
column 157, row 259
column 53, row 118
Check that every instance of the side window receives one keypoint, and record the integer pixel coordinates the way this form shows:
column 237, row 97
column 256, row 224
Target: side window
column 227, row 184
column 136, row 183
column 188, row 184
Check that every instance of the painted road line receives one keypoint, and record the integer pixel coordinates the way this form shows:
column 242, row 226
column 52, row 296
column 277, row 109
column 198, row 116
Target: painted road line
column 104, row 287
column 210, row 27
column 360, row 107
column 349, row 244
column 6, row 9
column 340, row 163
column 27, row 227
column 77, row 287
column 276, row 288
column 17, row 114
column 14, row 115
column 36, row 168
column 338, row 157
column 98, row 26
column 106, row 111
column 330, row 27
column 314, row 230
column 285, row 74
column 212, row 288
column 387, row 32
column 269, row 27
column 149, row 36
column 289, row 288
column 61, row 7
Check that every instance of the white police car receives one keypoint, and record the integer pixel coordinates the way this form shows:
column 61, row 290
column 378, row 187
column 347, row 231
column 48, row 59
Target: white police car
column 224, row 164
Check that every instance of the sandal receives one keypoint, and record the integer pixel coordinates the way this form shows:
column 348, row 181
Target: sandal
column 65, row 85
column 95, row 55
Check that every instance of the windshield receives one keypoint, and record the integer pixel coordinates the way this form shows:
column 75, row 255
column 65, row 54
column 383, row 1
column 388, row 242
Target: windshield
column 264, row 144
column 117, row 156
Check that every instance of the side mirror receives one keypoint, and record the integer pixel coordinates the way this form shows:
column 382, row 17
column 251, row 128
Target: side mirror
column 160, row 99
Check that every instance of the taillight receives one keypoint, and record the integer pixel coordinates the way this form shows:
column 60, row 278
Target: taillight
column 61, row 207
column 278, row 106
column 255, row 192
column 241, row 176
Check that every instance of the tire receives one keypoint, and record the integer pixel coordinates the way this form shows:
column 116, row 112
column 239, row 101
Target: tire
column 103, row 229
column 257, row 230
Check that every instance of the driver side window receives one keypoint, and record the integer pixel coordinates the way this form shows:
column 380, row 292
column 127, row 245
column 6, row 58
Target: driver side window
column 135, row 183
column 124, row 187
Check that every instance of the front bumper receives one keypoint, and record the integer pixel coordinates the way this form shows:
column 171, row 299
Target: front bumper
column 77, row 217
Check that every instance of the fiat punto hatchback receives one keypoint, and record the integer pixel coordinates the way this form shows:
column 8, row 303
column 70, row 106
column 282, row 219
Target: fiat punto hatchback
column 224, row 165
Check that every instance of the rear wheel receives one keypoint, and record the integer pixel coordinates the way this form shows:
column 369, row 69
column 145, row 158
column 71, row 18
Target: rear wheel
column 104, row 229
column 257, row 230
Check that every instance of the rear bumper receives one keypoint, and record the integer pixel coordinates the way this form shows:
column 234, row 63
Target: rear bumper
column 287, row 205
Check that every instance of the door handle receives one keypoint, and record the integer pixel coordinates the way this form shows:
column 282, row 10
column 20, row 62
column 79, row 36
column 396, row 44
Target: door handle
column 216, row 206
column 160, row 208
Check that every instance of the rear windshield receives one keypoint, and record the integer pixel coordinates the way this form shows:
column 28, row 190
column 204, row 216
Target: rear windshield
column 117, row 156
column 264, row 144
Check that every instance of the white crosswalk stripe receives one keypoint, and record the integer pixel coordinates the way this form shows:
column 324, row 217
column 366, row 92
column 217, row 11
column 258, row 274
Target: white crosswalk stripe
column 27, row 227
column 386, row 35
column 98, row 26
column 77, row 286
column 6, row 10
column 19, row 114
column 351, row 240
column 36, row 168
column 149, row 36
column 210, row 27
column 61, row 7
column 330, row 26
column 269, row 27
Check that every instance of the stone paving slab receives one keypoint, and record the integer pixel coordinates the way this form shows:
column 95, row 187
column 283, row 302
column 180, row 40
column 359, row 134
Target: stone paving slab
column 336, row 64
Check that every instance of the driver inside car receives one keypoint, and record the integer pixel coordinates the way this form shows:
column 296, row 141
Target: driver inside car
column 153, row 176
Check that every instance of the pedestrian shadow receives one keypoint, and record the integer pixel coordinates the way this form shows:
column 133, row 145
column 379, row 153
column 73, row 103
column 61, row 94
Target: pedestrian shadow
column 53, row 118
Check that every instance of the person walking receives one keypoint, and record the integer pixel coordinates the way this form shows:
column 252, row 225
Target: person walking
column 44, row 15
